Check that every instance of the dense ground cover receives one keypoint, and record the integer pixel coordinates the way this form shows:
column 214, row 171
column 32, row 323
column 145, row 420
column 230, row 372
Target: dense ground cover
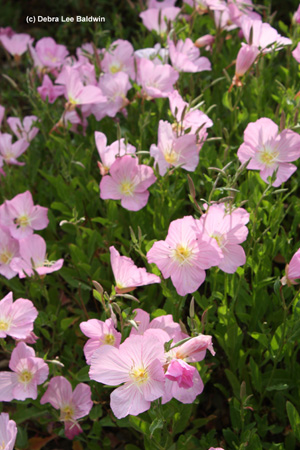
column 149, row 206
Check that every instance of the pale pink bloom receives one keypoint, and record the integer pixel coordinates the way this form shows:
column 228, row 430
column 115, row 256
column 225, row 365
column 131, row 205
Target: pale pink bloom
column 109, row 153
column 165, row 323
column 9, row 248
column 28, row 372
column 138, row 364
column 119, row 58
column 71, row 120
column 100, row 333
column 23, row 130
column 2, row 111
column 189, row 119
column 216, row 448
column 263, row 35
column 16, row 318
column 33, row 258
column 78, row 94
column 205, row 41
column 183, row 381
column 8, row 432
column 296, row 53
column 228, row 230
column 115, row 88
column 50, row 54
column 156, row 80
column 238, row 9
column 157, row 54
column 292, row 270
column 160, row 5
column 72, row 404
column 16, row 44
column 268, row 150
column 245, row 58
column 9, row 151
column 128, row 181
column 127, row 275
column 296, row 16
column 49, row 90
column 172, row 151
column 185, row 57
column 156, row 19
column 184, row 255
column 22, row 217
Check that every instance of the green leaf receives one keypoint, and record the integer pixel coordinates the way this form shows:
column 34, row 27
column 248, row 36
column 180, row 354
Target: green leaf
column 156, row 425
column 294, row 419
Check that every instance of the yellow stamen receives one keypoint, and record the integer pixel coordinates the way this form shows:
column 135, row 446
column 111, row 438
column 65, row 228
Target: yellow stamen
column 182, row 253
column 25, row 377
column 127, row 188
column 109, row 339
column 67, row 413
column 5, row 257
column 171, row 157
column 3, row 325
column 22, row 221
column 139, row 375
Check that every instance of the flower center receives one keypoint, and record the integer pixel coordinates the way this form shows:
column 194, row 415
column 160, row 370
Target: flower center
column 22, row 221
column 109, row 339
column 127, row 188
column 66, row 413
column 3, row 325
column 5, row 257
column 25, row 376
column 182, row 253
column 115, row 68
column 2, row 446
column 268, row 156
column 139, row 375
column 219, row 238
column 171, row 157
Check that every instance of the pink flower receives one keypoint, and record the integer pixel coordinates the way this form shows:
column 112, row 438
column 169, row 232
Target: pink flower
column 184, row 255
column 228, row 230
column 185, row 57
column 115, row 88
column 49, row 90
column 181, row 372
column 263, row 35
column 23, row 130
column 21, row 217
column 172, row 151
column 16, row 319
column 127, row 275
column 269, row 151
column 33, row 258
column 296, row 53
column 16, row 44
column 9, row 248
column 78, row 94
column 189, row 119
column 128, row 181
column 296, row 16
column 216, row 448
column 100, row 333
column 156, row 80
column 138, row 364
column 50, row 54
column 160, row 5
column 245, row 58
column 8, row 432
column 183, row 381
column 119, row 58
column 72, row 404
column 205, row 41
column 165, row 323
column 9, row 151
column 108, row 153
column 28, row 372
column 156, row 18
column 292, row 270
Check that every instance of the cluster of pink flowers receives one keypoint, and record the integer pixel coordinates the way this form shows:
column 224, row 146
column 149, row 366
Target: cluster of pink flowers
column 142, row 364
column 192, row 246
column 21, row 251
